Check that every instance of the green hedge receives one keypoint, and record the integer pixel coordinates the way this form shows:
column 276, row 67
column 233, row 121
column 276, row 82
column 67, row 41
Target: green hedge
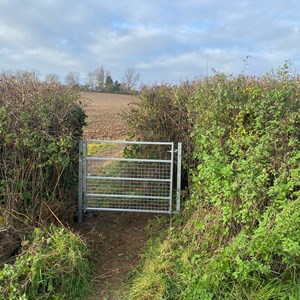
column 161, row 114
column 238, row 237
column 40, row 126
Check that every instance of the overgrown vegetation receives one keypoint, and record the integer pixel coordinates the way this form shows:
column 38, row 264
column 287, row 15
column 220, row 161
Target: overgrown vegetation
column 238, row 237
column 53, row 265
column 40, row 125
column 162, row 115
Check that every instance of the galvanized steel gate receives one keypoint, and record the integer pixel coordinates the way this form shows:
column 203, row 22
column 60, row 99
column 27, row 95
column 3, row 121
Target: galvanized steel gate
column 129, row 176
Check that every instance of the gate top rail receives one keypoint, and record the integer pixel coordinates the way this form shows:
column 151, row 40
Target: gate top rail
column 128, row 142
column 129, row 159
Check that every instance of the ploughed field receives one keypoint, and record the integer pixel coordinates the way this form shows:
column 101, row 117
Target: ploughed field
column 104, row 115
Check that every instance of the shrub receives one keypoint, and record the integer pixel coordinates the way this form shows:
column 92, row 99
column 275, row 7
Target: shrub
column 40, row 124
column 238, row 237
column 162, row 115
column 247, row 145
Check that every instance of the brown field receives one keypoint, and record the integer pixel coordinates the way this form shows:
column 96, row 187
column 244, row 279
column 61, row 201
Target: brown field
column 104, row 111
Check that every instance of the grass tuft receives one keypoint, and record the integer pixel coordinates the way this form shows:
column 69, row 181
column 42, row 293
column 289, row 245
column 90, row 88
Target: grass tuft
column 53, row 265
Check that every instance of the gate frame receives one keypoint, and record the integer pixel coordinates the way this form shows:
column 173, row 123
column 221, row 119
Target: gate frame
column 82, row 178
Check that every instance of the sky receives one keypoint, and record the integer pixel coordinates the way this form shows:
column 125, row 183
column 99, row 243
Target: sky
column 164, row 41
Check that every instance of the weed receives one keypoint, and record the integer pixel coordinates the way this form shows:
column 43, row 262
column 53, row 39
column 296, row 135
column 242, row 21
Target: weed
column 54, row 265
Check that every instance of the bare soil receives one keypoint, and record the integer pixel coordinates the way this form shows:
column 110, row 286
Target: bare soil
column 105, row 115
column 116, row 239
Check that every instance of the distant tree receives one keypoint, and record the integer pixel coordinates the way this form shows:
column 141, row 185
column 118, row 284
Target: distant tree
column 72, row 79
column 116, row 86
column 52, row 78
column 109, row 83
column 28, row 75
column 130, row 79
column 101, row 75
column 92, row 81
column 96, row 79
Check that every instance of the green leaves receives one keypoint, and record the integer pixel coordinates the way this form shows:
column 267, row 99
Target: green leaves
column 239, row 235
column 247, row 144
column 53, row 265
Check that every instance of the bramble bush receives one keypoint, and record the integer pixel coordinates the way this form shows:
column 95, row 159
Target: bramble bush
column 247, row 144
column 40, row 125
column 238, row 237
column 161, row 114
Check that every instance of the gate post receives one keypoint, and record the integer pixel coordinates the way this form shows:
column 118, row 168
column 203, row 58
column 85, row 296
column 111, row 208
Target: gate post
column 79, row 209
column 85, row 167
column 179, row 150
column 171, row 178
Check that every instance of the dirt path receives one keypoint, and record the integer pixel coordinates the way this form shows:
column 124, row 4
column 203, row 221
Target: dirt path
column 116, row 239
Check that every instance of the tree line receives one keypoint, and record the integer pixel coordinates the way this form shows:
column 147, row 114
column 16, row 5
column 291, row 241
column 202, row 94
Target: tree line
column 99, row 80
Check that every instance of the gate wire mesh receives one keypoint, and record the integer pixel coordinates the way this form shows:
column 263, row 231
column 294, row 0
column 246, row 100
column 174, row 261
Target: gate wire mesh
column 126, row 176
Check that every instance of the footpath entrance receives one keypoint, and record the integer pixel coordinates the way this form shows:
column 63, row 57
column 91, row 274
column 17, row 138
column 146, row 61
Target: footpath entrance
column 129, row 176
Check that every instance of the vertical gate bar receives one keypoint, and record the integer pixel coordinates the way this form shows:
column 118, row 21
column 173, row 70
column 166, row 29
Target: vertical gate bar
column 79, row 208
column 179, row 155
column 171, row 177
column 85, row 174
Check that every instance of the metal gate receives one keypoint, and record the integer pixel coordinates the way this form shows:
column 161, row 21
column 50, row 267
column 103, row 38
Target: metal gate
column 129, row 176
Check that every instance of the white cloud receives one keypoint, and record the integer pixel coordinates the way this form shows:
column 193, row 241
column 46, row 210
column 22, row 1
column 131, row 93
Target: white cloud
column 11, row 35
column 53, row 57
column 161, row 39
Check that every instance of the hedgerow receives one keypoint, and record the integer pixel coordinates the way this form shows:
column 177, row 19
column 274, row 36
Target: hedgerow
column 238, row 237
column 40, row 127
column 161, row 114
column 40, row 124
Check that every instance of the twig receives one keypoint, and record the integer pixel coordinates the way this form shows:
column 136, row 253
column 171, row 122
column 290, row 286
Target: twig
column 54, row 214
